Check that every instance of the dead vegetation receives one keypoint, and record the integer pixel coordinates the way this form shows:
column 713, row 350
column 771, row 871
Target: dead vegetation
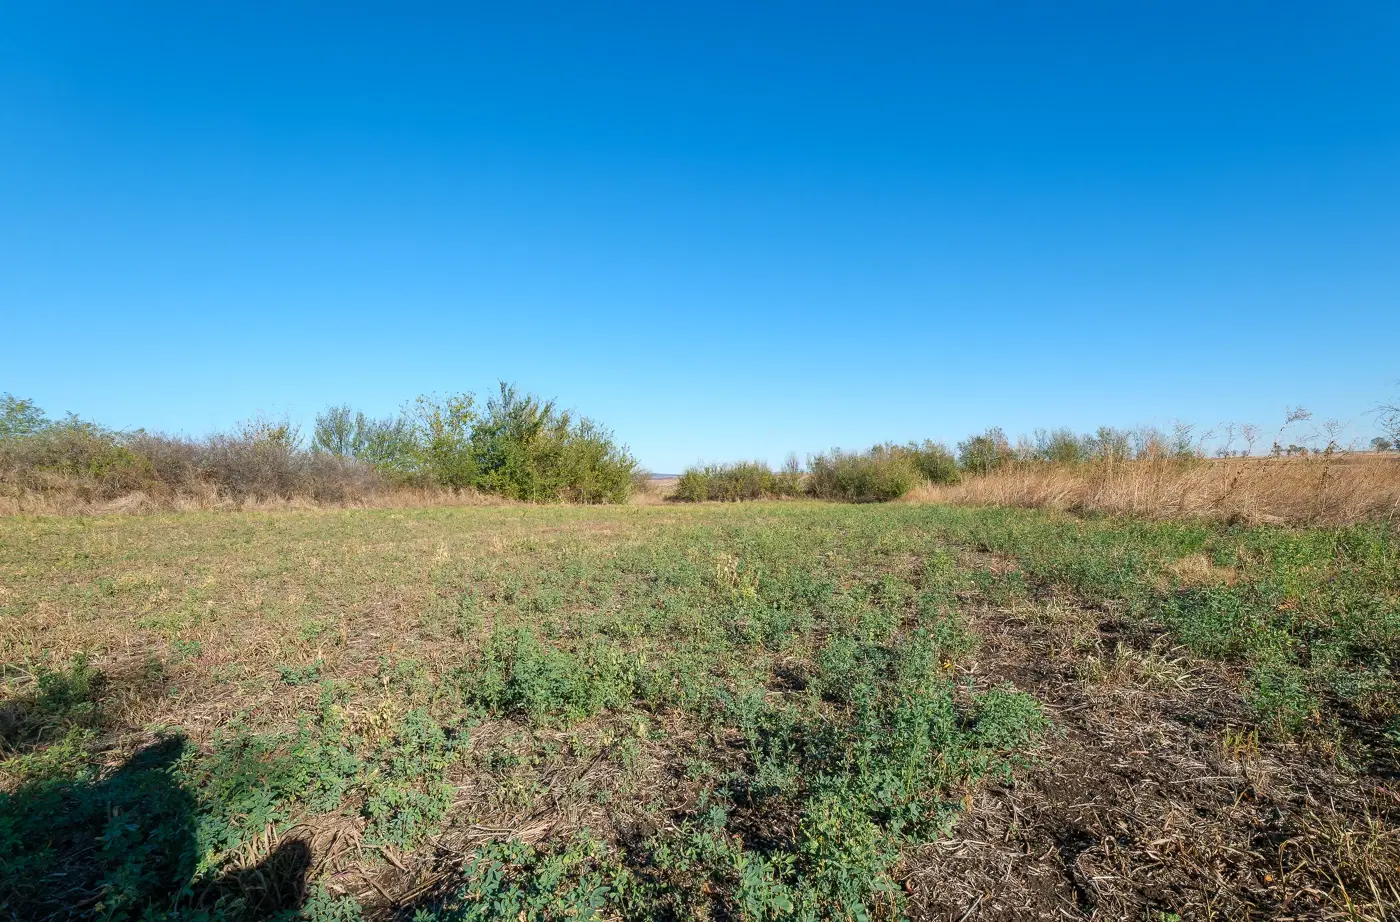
column 1317, row 490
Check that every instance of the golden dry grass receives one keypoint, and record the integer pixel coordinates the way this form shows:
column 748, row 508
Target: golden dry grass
column 651, row 492
column 1311, row 491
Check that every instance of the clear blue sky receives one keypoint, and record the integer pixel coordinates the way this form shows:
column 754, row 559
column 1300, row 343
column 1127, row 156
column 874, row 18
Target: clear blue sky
column 724, row 230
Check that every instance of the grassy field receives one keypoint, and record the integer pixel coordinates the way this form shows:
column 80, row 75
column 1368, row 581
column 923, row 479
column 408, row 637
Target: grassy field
column 787, row 710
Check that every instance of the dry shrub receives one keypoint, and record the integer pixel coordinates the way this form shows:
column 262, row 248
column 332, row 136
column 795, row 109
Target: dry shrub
column 1327, row 490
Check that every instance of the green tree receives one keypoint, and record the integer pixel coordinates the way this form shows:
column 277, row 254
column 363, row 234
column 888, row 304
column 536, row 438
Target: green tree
column 20, row 417
column 339, row 431
column 443, row 432
column 520, row 445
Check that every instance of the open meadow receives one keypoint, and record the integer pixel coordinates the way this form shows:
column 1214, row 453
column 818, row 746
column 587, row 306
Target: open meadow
column 781, row 710
column 557, row 462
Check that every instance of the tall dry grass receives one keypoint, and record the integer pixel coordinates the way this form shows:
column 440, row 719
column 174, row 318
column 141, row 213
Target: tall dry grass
column 1318, row 490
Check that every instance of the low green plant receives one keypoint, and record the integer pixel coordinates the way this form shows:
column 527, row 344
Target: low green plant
column 515, row 881
column 408, row 793
column 321, row 906
column 518, row 674
column 308, row 674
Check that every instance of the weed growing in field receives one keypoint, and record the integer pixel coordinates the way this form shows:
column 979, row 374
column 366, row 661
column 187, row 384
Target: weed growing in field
column 407, row 793
column 861, row 773
column 309, row 674
column 512, row 880
column 518, row 674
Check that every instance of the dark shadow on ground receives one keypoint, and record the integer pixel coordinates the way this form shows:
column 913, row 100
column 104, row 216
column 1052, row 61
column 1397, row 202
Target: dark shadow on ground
column 123, row 845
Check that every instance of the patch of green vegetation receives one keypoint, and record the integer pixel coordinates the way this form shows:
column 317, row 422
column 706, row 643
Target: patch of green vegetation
column 517, row 674
column 874, row 476
column 126, row 840
column 1314, row 613
column 514, row 881
column 308, row 674
column 882, row 473
column 855, row 773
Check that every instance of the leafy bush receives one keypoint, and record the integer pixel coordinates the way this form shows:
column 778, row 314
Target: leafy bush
column 444, row 428
column 19, row 417
column 933, row 460
column 525, row 448
column 69, row 448
column 742, row 480
column 884, row 472
column 878, row 475
column 521, row 446
column 985, row 452
column 260, row 459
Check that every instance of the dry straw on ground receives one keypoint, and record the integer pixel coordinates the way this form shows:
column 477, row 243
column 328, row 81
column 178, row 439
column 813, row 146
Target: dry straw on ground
column 1326, row 490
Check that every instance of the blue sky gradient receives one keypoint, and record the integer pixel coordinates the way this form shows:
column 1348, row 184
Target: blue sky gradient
column 729, row 230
